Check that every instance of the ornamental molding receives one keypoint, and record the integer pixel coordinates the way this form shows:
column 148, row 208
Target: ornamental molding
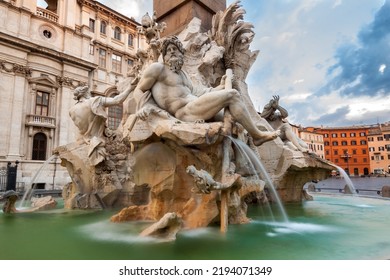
column 70, row 82
column 14, row 68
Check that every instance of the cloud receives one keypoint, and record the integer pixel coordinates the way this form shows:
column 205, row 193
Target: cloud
column 134, row 8
column 360, row 68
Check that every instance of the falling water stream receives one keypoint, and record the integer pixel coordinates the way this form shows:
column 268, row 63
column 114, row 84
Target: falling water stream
column 256, row 167
column 30, row 188
column 348, row 180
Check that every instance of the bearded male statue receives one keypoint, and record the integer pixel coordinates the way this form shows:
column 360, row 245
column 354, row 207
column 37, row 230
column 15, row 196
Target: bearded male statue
column 172, row 90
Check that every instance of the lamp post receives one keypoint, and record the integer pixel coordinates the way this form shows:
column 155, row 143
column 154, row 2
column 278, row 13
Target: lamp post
column 347, row 159
column 11, row 176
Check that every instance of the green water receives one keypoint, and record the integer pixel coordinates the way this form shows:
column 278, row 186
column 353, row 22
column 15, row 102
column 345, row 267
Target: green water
column 330, row 227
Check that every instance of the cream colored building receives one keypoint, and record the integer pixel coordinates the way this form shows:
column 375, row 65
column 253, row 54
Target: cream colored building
column 314, row 140
column 45, row 52
column 379, row 148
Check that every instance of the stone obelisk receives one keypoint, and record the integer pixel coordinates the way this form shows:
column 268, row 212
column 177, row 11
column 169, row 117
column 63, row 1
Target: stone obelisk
column 178, row 13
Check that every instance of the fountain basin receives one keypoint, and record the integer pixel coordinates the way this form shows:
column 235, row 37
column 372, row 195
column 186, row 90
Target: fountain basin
column 332, row 226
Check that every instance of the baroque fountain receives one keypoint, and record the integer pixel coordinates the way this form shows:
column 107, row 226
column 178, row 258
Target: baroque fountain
column 186, row 102
column 190, row 155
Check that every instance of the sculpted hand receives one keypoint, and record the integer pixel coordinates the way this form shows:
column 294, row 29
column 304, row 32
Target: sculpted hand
column 275, row 101
column 144, row 112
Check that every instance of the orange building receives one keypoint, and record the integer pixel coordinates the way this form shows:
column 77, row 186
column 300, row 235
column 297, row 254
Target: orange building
column 347, row 147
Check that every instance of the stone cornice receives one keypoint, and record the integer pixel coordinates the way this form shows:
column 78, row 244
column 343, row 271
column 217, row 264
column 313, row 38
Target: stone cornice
column 98, row 43
column 44, row 51
column 104, row 10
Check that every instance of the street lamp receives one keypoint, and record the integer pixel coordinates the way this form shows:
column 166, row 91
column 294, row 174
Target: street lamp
column 347, row 160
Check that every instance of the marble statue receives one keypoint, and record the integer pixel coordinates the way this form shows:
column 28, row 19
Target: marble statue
column 89, row 115
column 276, row 116
column 175, row 158
column 172, row 90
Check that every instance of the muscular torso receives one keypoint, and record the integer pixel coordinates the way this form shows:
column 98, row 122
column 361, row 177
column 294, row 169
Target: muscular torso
column 172, row 91
column 82, row 115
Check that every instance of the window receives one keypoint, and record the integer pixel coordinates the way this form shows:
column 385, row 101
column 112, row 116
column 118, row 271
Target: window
column 381, row 148
column 364, row 151
column 326, row 143
column 353, row 134
column 91, row 49
column 354, row 152
column 380, row 138
column 114, row 116
column 334, row 134
column 363, row 142
column 353, row 142
column 335, row 143
column 327, row 153
column 343, row 135
column 387, row 137
column 371, row 149
column 116, row 63
column 130, row 40
column 370, row 139
column 92, row 25
column 326, row 135
column 103, row 26
column 362, row 134
column 364, row 160
column 344, row 143
column 39, row 147
column 42, row 103
column 117, row 33
column 335, row 152
column 102, row 58
column 130, row 64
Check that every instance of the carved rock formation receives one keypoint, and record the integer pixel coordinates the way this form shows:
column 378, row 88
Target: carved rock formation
column 166, row 228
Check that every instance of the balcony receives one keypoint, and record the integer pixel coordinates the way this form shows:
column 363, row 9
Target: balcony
column 47, row 14
column 41, row 121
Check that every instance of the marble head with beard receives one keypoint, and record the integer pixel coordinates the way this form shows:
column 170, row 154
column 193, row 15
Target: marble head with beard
column 174, row 63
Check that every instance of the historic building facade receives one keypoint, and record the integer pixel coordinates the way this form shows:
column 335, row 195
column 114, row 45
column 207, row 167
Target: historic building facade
column 45, row 52
column 379, row 148
column 313, row 139
column 347, row 147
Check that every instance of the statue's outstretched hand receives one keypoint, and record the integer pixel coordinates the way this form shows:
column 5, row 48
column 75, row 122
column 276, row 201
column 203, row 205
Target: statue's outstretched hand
column 144, row 112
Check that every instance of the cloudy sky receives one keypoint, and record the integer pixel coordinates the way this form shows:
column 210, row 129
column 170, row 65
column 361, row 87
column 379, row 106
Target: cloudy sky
column 329, row 60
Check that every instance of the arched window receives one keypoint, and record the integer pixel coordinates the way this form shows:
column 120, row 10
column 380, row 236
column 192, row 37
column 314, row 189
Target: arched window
column 103, row 26
column 39, row 147
column 130, row 40
column 117, row 33
column 115, row 116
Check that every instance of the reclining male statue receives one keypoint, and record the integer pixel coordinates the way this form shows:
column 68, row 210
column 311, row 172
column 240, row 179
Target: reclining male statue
column 173, row 91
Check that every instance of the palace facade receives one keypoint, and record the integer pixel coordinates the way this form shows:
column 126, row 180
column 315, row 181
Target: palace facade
column 46, row 51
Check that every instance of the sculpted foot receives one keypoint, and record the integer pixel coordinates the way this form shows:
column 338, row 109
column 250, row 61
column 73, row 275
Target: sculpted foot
column 265, row 137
